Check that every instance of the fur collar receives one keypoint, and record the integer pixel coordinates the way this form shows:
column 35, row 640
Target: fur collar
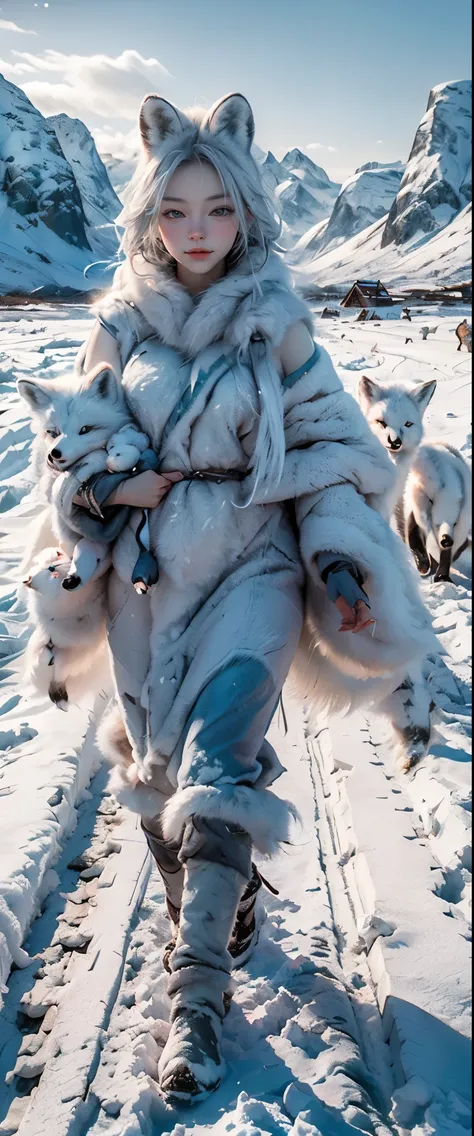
column 254, row 299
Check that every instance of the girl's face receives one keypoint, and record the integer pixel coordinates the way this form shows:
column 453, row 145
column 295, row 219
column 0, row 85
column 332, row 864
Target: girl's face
column 197, row 221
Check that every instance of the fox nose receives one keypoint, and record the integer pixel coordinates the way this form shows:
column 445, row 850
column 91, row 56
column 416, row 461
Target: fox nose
column 56, row 454
column 395, row 443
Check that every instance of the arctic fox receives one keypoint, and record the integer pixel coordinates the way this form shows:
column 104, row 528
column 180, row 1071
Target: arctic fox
column 87, row 427
column 69, row 634
column 395, row 412
column 437, row 508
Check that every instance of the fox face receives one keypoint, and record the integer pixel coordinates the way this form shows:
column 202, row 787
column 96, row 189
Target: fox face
column 75, row 420
column 395, row 413
column 48, row 572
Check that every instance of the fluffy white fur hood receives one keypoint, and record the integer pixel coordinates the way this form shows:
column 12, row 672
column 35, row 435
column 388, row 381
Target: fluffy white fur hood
column 256, row 298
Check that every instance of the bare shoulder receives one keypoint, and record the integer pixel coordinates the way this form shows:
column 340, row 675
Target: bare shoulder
column 296, row 348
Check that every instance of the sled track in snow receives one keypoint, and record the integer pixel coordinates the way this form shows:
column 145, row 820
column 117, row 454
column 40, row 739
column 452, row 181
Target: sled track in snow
column 86, row 1022
column 94, row 976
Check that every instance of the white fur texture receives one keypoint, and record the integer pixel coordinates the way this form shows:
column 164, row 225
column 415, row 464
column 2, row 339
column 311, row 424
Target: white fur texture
column 395, row 412
column 439, row 495
column 60, row 411
column 254, row 299
column 68, row 640
column 130, row 792
column 268, row 820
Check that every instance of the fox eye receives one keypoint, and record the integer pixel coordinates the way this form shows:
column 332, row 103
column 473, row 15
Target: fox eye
column 53, row 432
column 380, row 422
column 408, row 423
column 86, row 429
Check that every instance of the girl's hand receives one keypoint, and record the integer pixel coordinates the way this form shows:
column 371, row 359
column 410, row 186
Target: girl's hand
column 344, row 581
column 355, row 618
column 145, row 491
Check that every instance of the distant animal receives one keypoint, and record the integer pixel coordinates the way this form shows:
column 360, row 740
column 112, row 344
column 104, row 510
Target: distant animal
column 464, row 334
column 85, row 427
column 437, row 508
column 426, row 331
column 69, row 629
column 408, row 340
column 395, row 412
column 406, row 314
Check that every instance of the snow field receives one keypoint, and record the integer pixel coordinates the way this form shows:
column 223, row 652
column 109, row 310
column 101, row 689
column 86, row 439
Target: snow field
column 373, row 904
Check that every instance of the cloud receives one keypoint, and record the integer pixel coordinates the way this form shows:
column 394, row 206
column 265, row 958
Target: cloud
column 9, row 26
column 320, row 146
column 7, row 68
column 116, row 142
column 379, row 142
column 103, row 85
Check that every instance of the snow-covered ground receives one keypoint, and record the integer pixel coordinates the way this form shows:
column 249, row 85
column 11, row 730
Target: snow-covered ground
column 353, row 1014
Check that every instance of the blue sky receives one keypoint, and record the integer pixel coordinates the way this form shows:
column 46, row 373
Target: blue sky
column 348, row 80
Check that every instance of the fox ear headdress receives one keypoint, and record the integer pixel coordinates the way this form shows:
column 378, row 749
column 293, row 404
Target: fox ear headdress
column 161, row 123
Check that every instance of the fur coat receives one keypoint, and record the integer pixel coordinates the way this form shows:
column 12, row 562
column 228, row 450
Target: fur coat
column 194, row 372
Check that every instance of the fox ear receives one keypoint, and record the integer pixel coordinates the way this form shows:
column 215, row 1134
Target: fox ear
column 369, row 391
column 424, row 393
column 101, row 382
column 232, row 117
column 34, row 394
column 159, row 122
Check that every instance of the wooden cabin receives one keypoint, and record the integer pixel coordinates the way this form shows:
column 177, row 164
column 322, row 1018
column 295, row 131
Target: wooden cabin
column 367, row 294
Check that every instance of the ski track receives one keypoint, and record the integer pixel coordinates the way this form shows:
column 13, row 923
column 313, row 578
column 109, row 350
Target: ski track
column 307, row 1049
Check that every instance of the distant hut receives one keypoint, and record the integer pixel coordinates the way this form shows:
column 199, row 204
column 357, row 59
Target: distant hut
column 367, row 294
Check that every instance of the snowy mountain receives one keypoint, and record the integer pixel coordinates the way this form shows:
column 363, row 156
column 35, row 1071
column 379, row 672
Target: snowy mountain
column 364, row 198
column 380, row 166
column 441, row 258
column 438, row 181
column 273, row 171
column 425, row 236
column 304, row 192
column 120, row 170
column 48, row 223
column 100, row 202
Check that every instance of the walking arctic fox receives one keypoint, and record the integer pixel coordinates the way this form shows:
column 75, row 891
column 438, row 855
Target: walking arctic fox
column 88, row 428
column 69, row 634
column 395, row 412
column 437, row 507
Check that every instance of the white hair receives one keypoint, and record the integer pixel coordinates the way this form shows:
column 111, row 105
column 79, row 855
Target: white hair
column 259, row 228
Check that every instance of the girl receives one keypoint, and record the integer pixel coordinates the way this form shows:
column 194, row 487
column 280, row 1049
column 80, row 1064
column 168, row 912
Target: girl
column 268, row 471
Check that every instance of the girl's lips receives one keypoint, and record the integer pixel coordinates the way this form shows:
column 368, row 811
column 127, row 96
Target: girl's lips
column 198, row 252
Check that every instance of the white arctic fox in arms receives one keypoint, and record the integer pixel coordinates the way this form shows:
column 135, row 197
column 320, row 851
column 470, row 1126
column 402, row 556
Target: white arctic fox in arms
column 395, row 412
column 87, row 428
column 437, row 508
column 68, row 638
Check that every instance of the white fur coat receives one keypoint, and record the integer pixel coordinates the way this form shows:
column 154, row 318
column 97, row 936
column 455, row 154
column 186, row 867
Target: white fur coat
column 231, row 571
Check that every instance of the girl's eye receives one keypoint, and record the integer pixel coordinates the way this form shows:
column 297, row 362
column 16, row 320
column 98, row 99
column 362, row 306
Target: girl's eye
column 408, row 423
column 53, row 432
column 222, row 211
column 380, row 422
column 173, row 214
column 86, row 429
